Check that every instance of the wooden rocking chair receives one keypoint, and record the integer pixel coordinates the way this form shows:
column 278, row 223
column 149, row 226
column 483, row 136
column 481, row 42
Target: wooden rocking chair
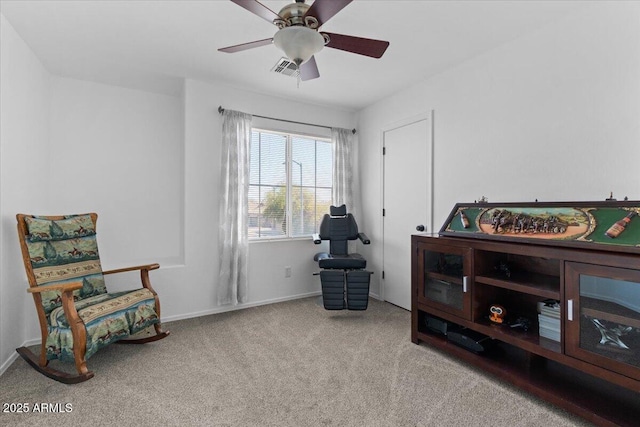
column 77, row 316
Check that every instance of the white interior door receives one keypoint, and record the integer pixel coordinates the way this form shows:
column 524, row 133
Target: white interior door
column 407, row 192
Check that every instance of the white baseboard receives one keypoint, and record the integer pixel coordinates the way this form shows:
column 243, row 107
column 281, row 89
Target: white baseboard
column 8, row 362
column 226, row 308
column 12, row 358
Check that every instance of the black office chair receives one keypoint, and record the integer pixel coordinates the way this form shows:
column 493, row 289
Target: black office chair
column 345, row 283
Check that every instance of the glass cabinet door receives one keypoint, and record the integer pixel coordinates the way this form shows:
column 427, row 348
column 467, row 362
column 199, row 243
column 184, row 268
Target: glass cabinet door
column 445, row 279
column 603, row 316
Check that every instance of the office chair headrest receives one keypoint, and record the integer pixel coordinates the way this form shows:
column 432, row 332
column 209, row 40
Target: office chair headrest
column 338, row 211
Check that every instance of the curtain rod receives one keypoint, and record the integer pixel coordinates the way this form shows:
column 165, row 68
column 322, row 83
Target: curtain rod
column 221, row 110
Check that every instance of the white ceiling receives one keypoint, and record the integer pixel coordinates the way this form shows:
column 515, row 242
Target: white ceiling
column 153, row 45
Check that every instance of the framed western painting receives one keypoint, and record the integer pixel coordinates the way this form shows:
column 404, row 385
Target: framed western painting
column 612, row 223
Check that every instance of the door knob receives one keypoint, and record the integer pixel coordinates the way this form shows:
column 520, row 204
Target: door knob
column 420, row 227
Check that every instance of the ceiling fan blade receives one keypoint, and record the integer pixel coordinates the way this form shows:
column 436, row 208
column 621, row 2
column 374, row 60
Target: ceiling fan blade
column 245, row 46
column 359, row 45
column 323, row 10
column 258, row 8
column 309, row 70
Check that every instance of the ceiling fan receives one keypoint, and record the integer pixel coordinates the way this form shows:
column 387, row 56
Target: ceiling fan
column 298, row 36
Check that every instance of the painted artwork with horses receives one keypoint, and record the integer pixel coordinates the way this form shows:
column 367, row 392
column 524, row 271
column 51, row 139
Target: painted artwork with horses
column 565, row 223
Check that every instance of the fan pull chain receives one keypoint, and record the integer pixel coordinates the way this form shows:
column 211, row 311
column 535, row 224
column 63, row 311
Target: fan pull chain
column 298, row 85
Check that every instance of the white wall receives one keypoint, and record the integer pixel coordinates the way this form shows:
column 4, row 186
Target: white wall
column 24, row 136
column 119, row 152
column 550, row 116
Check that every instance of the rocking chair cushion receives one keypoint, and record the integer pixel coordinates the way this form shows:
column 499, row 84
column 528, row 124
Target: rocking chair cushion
column 106, row 317
column 72, row 227
column 65, row 261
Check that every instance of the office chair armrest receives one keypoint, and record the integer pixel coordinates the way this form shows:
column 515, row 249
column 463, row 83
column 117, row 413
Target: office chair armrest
column 316, row 238
column 364, row 239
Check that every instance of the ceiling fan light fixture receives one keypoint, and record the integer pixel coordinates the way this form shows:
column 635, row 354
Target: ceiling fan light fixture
column 299, row 43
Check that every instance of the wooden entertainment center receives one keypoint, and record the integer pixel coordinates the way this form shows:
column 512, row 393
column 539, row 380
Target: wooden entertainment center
column 560, row 307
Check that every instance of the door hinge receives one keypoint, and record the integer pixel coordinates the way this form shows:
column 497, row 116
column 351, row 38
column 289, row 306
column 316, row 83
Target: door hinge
column 383, row 212
column 384, row 151
column 383, row 274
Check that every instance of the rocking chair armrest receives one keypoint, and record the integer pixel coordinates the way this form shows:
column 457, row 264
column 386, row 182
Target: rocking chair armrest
column 147, row 267
column 63, row 287
column 364, row 239
column 316, row 238
column 144, row 275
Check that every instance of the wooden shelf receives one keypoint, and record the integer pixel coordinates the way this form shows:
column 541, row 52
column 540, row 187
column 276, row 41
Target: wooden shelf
column 529, row 340
column 540, row 285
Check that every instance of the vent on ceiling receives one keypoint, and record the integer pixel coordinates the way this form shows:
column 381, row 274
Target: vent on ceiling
column 286, row 67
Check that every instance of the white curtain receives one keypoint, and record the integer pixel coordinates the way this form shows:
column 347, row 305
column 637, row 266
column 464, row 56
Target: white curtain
column 234, row 193
column 345, row 174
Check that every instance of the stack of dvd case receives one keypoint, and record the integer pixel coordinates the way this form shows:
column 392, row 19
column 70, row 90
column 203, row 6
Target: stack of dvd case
column 549, row 319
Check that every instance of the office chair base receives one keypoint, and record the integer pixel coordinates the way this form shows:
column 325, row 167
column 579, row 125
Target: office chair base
column 358, row 289
column 332, row 289
column 345, row 289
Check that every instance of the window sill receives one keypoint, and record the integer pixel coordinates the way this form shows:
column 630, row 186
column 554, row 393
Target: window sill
column 281, row 239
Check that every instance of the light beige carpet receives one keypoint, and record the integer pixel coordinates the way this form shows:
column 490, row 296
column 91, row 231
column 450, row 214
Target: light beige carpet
column 286, row 364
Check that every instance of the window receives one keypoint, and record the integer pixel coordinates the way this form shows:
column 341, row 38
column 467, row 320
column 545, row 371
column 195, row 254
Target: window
column 290, row 184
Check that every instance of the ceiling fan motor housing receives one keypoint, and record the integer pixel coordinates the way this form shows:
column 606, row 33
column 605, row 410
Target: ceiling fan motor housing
column 293, row 14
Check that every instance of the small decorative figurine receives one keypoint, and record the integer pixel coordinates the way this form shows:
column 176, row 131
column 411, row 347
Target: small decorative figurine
column 611, row 336
column 497, row 313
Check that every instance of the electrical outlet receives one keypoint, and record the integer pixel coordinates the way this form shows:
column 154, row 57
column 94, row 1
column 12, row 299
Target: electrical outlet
column 287, row 272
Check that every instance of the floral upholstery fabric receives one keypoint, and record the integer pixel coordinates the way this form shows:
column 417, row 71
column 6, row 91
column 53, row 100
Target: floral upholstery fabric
column 107, row 318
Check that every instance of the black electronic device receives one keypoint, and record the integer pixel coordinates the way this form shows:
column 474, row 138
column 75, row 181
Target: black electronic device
column 441, row 326
column 471, row 340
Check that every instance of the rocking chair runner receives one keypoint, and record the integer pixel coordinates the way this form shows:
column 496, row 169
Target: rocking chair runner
column 77, row 316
